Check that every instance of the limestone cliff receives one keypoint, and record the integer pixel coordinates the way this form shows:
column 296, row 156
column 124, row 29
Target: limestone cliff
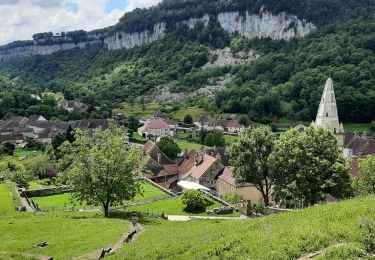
column 263, row 25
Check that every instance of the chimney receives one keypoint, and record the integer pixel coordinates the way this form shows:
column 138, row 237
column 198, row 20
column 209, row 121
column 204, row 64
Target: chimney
column 198, row 158
column 218, row 156
column 185, row 154
column 159, row 158
column 364, row 135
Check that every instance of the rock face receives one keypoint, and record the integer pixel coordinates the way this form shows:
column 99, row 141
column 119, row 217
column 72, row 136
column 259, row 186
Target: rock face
column 263, row 25
column 266, row 25
column 129, row 40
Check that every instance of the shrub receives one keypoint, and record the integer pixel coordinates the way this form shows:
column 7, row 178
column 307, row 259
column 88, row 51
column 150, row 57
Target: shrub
column 188, row 119
column 194, row 200
column 258, row 209
column 7, row 148
column 367, row 227
column 372, row 126
column 233, row 198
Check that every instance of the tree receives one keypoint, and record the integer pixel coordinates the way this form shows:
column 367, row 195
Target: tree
column 244, row 120
column 188, row 119
column 308, row 165
column 250, row 157
column 7, row 148
column 133, row 124
column 372, row 126
column 214, row 138
column 16, row 172
column 105, row 171
column 194, row 200
column 367, row 173
column 169, row 147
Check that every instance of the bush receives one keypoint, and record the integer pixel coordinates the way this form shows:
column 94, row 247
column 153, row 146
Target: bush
column 233, row 198
column 372, row 126
column 188, row 119
column 367, row 227
column 7, row 148
column 21, row 178
column 194, row 200
column 258, row 209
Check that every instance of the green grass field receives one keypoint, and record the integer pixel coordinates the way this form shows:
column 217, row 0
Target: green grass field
column 284, row 236
column 171, row 206
column 357, row 127
column 187, row 145
column 6, row 202
column 229, row 139
column 69, row 234
column 64, row 200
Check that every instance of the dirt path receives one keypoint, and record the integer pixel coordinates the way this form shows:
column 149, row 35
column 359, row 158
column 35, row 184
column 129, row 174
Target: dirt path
column 135, row 230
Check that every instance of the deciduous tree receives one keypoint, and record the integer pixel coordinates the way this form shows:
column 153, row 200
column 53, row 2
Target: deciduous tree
column 106, row 172
column 250, row 157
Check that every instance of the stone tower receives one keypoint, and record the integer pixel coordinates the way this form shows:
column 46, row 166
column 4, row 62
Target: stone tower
column 327, row 116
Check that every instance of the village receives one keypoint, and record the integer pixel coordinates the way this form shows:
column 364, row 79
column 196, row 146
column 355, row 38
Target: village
column 207, row 169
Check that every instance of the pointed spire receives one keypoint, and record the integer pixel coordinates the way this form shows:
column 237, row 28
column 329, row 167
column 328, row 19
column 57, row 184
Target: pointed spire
column 327, row 114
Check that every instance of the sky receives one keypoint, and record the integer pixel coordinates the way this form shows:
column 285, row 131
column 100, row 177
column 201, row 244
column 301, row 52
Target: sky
column 20, row 19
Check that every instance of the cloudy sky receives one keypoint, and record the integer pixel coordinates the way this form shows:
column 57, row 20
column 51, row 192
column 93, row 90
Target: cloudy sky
column 20, row 19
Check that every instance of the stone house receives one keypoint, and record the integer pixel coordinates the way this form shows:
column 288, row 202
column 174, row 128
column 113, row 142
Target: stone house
column 230, row 126
column 72, row 106
column 159, row 167
column 199, row 121
column 226, row 184
column 201, row 168
column 156, row 128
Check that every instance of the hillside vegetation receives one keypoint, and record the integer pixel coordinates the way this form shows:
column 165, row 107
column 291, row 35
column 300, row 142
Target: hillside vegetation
column 286, row 81
column 335, row 228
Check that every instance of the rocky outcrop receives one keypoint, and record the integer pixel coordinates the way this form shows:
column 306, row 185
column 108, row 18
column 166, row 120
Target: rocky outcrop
column 129, row 40
column 263, row 25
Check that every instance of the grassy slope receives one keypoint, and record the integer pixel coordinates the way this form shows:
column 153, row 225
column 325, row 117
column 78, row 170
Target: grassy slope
column 64, row 200
column 172, row 206
column 68, row 234
column 283, row 236
column 183, row 144
column 6, row 203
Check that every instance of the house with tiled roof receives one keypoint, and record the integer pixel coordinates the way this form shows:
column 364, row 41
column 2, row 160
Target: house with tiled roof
column 159, row 167
column 156, row 128
column 72, row 106
column 230, row 126
column 227, row 184
column 201, row 168
column 199, row 121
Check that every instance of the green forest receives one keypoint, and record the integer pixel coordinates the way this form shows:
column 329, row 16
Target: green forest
column 286, row 81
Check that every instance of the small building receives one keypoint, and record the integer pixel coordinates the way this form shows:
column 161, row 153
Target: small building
column 298, row 126
column 199, row 121
column 159, row 167
column 17, row 139
column 72, row 106
column 230, row 126
column 201, row 168
column 156, row 128
column 227, row 184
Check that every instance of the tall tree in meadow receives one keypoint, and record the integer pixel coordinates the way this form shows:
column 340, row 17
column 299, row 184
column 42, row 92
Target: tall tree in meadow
column 106, row 172
column 250, row 157
column 308, row 165
column 366, row 182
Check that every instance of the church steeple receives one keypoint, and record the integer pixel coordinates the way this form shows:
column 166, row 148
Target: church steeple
column 327, row 116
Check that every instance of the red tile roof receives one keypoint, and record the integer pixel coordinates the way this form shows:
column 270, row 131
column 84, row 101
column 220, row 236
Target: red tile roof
column 157, row 124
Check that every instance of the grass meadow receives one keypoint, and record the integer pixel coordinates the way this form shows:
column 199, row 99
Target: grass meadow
column 68, row 234
column 284, row 236
column 6, row 202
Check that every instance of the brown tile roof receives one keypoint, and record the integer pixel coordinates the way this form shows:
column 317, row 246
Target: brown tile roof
column 228, row 177
column 186, row 164
column 219, row 153
column 157, row 124
column 201, row 119
column 14, row 121
column 152, row 150
column 197, row 171
column 360, row 146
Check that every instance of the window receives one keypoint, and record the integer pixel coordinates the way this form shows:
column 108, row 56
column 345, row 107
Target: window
column 334, row 130
column 326, row 114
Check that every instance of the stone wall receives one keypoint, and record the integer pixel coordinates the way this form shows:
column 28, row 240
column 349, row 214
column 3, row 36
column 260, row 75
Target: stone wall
column 46, row 192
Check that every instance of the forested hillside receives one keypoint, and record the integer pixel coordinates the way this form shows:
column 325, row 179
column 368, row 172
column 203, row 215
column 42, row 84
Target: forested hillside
column 286, row 81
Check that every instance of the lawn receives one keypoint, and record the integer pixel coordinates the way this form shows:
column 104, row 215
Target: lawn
column 19, row 153
column 35, row 185
column 352, row 127
column 230, row 139
column 193, row 111
column 68, row 234
column 172, row 206
column 57, row 202
column 284, row 236
column 187, row 145
column 6, row 202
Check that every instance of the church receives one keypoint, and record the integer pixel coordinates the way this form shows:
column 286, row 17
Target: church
column 354, row 145
column 327, row 116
